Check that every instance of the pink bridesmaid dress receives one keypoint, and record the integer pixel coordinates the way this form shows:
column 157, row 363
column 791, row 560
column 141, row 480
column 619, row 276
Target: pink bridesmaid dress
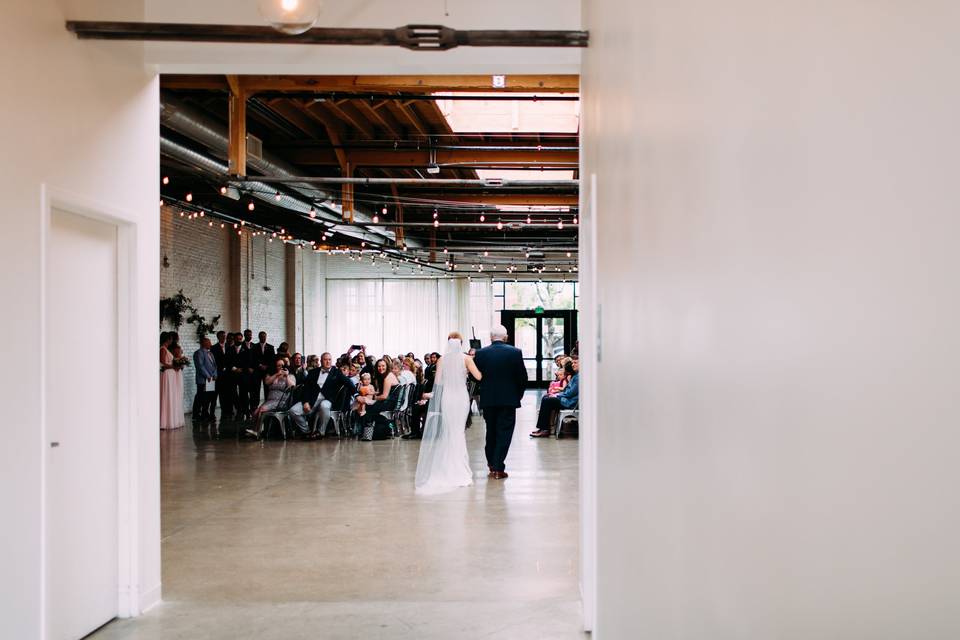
column 171, row 393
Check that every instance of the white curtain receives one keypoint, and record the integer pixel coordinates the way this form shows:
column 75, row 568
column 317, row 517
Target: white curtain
column 481, row 309
column 400, row 315
column 354, row 315
column 453, row 310
column 410, row 317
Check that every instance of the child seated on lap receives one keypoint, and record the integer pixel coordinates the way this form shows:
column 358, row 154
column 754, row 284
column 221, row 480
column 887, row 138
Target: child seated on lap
column 365, row 395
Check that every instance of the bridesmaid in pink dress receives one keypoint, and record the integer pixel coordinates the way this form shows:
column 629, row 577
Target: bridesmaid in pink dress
column 171, row 387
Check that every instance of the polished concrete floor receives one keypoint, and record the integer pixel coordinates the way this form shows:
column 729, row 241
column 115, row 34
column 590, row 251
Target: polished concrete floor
column 326, row 539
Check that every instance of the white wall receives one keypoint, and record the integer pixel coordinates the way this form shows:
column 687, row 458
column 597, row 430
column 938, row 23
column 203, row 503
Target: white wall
column 779, row 399
column 464, row 14
column 80, row 118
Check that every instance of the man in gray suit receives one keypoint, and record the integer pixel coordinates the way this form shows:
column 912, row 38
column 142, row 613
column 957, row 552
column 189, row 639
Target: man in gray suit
column 501, row 389
column 205, row 366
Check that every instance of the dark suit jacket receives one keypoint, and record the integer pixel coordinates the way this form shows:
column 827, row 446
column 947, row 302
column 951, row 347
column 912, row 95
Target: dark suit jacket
column 221, row 357
column 504, row 375
column 335, row 382
column 263, row 354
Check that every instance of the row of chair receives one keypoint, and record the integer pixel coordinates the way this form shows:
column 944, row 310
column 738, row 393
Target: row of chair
column 398, row 412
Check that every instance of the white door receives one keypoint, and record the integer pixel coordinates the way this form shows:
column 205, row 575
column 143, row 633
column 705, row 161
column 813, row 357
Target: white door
column 81, row 418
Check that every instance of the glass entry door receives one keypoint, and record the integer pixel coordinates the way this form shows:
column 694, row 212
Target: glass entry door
column 541, row 335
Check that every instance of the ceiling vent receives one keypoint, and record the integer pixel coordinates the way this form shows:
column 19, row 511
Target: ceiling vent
column 254, row 147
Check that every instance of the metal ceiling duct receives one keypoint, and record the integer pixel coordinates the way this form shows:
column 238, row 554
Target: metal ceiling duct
column 261, row 191
column 197, row 126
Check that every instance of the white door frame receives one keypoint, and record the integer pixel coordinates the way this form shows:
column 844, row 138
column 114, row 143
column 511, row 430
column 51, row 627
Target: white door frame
column 128, row 467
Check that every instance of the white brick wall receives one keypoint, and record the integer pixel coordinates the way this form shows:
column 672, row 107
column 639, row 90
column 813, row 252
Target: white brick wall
column 262, row 265
column 196, row 260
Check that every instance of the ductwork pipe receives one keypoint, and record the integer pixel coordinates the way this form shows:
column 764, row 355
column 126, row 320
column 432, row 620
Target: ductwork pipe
column 196, row 126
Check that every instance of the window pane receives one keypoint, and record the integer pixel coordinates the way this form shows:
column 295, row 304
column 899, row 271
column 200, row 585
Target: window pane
column 530, row 295
column 552, row 339
column 525, row 336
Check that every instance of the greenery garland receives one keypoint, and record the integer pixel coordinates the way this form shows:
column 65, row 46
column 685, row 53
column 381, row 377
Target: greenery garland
column 178, row 309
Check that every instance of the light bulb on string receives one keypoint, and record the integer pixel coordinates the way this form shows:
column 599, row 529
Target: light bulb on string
column 223, row 191
column 243, row 223
column 434, row 214
column 576, row 220
column 483, row 218
column 161, row 202
column 277, row 196
column 222, row 225
column 313, row 212
column 376, row 218
column 251, row 206
column 560, row 224
column 166, row 180
column 290, row 16
column 189, row 197
column 436, row 223
column 529, row 219
column 499, row 225
column 568, row 254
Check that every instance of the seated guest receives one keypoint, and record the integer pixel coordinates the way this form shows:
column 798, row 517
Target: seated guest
column 566, row 399
column 323, row 385
column 277, row 385
column 407, row 375
column 369, row 366
column 297, row 369
column 384, row 380
column 365, row 395
column 283, row 350
column 562, row 378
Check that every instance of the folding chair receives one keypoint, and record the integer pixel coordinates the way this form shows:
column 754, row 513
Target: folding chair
column 566, row 413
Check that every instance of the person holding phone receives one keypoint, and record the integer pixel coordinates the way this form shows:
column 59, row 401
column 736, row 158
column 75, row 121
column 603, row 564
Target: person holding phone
column 277, row 384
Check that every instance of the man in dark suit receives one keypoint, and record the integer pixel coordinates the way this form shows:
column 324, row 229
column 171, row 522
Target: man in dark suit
column 501, row 389
column 245, row 372
column 323, row 386
column 263, row 357
column 219, row 351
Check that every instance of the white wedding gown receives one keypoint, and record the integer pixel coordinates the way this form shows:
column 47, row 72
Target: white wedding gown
column 444, row 464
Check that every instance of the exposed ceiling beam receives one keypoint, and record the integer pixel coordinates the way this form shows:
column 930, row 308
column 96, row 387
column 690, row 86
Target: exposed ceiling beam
column 415, row 37
column 425, row 84
column 237, row 145
column 530, row 200
column 421, row 158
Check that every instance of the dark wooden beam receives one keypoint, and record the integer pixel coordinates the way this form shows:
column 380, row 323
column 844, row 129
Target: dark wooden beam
column 379, row 84
column 417, row 37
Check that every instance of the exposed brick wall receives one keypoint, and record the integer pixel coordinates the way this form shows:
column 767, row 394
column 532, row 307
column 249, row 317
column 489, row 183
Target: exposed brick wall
column 199, row 262
column 262, row 265
column 196, row 260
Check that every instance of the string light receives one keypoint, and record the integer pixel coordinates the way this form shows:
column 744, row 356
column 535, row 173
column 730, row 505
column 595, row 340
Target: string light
column 166, row 180
column 576, row 220
column 161, row 202
column 181, row 214
column 445, row 250
column 529, row 219
column 189, row 197
column 223, row 191
column 436, row 223
column 277, row 197
column 560, row 224
column 251, row 206
column 568, row 254
column 376, row 218
column 483, row 218
column 313, row 212
column 499, row 225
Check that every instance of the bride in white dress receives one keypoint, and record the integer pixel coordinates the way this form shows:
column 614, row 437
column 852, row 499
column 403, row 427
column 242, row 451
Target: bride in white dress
column 444, row 463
